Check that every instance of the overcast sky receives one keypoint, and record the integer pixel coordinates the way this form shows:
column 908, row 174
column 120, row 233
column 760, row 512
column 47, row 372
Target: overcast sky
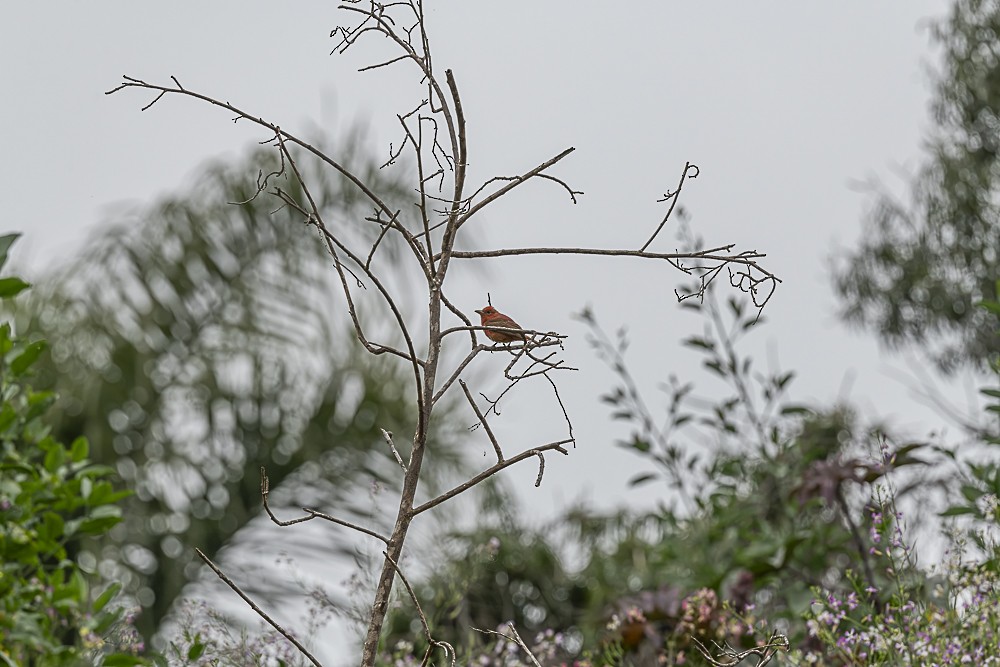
column 783, row 105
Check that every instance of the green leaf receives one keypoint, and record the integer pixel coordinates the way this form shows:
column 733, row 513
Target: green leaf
column 196, row 650
column 958, row 511
column 104, row 598
column 100, row 520
column 77, row 586
column 698, row 341
column 30, row 355
column 971, row 493
column 642, row 478
column 95, row 470
column 715, row 366
column 7, row 416
column 991, row 306
column 6, row 242
column 79, row 449
column 104, row 494
column 639, row 445
column 52, row 526
column 10, row 287
column 5, row 342
column 54, row 458
column 123, row 660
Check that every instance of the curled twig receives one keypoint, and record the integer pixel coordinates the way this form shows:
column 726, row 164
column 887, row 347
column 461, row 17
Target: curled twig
column 672, row 197
column 265, row 489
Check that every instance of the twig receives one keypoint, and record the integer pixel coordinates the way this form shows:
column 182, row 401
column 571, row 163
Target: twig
column 265, row 489
column 482, row 420
column 388, row 438
column 448, row 648
column 557, row 338
column 764, row 653
column 516, row 638
column 131, row 82
column 672, row 197
column 458, row 371
column 492, row 470
column 513, row 184
column 569, row 423
column 260, row 612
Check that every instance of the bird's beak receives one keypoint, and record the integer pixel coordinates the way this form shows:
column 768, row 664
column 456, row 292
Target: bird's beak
column 479, row 312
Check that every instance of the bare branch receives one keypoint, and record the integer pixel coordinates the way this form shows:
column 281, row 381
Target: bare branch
column 569, row 423
column 260, row 612
column 747, row 257
column 548, row 337
column 572, row 193
column 513, row 184
column 265, row 489
column 131, row 82
column 492, row 470
column 316, row 514
column 384, row 64
column 317, row 220
column 458, row 370
column 760, row 287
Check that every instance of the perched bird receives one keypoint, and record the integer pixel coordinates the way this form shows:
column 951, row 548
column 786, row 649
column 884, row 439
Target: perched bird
column 490, row 316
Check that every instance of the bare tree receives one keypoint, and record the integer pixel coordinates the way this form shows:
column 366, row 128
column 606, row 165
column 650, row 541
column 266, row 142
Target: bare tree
column 434, row 138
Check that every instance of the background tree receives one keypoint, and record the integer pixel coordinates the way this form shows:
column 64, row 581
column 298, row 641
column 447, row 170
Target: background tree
column 195, row 341
column 920, row 267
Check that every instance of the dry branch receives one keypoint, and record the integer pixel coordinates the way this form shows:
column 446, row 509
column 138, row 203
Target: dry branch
column 260, row 612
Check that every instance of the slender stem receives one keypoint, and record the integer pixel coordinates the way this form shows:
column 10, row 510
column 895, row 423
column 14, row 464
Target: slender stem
column 492, row 470
column 260, row 612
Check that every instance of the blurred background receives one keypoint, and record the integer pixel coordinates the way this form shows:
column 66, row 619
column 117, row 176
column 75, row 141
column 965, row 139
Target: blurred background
column 195, row 340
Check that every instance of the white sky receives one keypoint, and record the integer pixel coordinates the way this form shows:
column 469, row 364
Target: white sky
column 782, row 104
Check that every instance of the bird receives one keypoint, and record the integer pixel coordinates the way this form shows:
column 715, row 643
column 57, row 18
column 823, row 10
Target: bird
column 490, row 316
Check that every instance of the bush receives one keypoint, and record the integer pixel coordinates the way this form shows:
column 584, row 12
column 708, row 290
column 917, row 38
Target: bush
column 51, row 498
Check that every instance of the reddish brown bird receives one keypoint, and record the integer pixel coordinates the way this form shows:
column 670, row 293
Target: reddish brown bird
column 490, row 316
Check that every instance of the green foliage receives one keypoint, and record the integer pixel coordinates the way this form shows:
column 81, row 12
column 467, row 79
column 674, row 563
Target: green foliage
column 949, row 619
column 761, row 499
column 766, row 501
column 919, row 269
column 979, row 482
column 494, row 574
column 51, row 497
column 949, row 615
